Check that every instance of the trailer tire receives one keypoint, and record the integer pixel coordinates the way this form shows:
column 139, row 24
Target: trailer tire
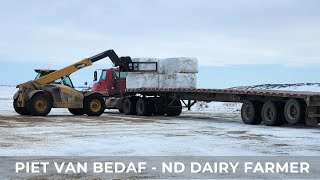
column 176, row 110
column 77, row 111
column 129, row 106
column 40, row 104
column 143, row 107
column 272, row 113
column 293, row 112
column 20, row 110
column 251, row 113
column 94, row 105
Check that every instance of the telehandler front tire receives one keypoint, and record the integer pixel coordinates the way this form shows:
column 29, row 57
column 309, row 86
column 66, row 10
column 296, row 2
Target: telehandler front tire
column 94, row 105
column 40, row 104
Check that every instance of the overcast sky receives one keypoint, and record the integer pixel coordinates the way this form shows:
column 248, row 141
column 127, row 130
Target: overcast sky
column 217, row 32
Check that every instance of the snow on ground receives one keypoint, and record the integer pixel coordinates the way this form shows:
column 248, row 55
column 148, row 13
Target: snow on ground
column 312, row 87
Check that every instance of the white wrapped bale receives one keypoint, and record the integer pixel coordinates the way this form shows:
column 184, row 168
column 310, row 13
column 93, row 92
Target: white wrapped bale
column 142, row 80
column 144, row 65
column 178, row 80
column 178, row 65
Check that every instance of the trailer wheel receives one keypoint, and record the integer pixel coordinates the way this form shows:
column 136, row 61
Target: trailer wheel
column 144, row 107
column 293, row 112
column 20, row 110
column 271, row 113
column 175, row 110
column 129, row 106
column 77, row 112
column 94, row 105
column 251, row 113
column 40, row 104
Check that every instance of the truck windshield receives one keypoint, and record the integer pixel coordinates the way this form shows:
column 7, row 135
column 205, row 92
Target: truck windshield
column 103, row 75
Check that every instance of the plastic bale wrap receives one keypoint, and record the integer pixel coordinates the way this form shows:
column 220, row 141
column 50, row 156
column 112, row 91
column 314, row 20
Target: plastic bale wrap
column 178, row 80
column 142, row 80
column 178, row 65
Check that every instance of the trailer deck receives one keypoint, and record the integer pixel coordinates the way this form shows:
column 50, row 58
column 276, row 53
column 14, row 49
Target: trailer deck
column 311, row 98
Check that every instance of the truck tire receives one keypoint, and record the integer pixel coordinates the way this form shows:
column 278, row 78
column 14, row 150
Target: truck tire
column 20, row 110
column 119, row 105
column 272, row 113
column 40, row 104
column 175, row 110
column 293, row 112
column 94, row 105
column 129, row 106
column 143, row 107
column 251, row 113
column 158, row 109
column 77, row 112
column 157, row 106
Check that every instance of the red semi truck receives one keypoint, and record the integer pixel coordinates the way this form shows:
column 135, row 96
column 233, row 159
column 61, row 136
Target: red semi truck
column 274, row 108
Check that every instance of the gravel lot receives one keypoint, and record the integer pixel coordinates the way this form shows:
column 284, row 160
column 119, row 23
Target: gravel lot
column 192, row 133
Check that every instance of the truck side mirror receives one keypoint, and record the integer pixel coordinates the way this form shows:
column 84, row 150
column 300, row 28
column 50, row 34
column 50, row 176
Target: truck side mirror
column 95, row 76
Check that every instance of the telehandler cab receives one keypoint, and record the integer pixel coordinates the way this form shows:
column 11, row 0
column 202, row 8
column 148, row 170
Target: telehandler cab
column 54, row 89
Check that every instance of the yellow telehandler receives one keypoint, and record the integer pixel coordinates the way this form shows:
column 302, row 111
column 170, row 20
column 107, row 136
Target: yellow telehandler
column 54, row 89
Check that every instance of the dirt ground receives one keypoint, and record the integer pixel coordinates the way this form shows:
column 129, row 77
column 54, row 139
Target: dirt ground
column 205, row 134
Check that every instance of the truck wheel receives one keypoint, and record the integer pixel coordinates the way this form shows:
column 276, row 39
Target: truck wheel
column 78, row 111
column 175, row 110
column 158, row 109
column 129, row 106
column 94, row 105
column 271, row 114
column 40, row 104
column 293, row 112
column 251, row 113
column 119, row 105
column 144, row 107
column 20, row 110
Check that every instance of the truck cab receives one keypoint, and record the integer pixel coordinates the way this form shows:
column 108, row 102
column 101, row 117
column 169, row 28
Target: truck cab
column 112, row 82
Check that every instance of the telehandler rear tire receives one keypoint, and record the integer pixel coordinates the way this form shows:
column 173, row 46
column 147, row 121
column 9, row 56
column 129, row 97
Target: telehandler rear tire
column 77, row 112
column 40, row 104
column 94, row 105
column 20, row 110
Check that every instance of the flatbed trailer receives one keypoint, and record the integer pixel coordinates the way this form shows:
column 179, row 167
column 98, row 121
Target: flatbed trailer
column 273, row 107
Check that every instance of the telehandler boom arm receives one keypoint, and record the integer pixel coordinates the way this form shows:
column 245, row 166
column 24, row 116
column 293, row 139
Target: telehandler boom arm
column 79, row 65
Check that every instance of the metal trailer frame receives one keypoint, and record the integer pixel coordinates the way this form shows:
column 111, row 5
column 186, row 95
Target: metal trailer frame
column 311, row 99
